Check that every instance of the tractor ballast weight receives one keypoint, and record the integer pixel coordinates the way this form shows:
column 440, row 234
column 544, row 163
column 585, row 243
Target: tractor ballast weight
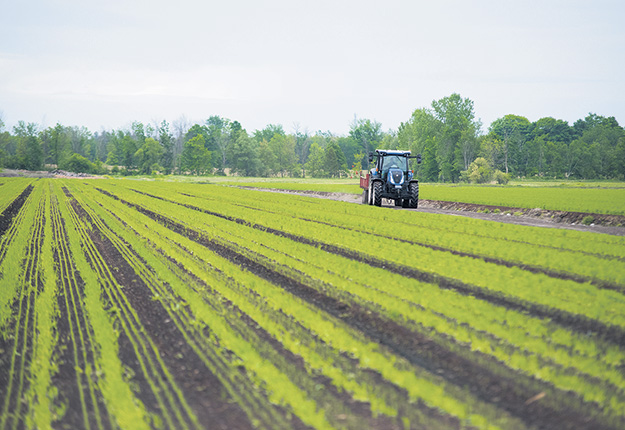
column 391, row 178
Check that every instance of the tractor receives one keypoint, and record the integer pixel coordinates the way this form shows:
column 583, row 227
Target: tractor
column 391, row 178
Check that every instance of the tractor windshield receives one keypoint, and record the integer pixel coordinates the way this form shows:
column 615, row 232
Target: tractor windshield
column 394, row 162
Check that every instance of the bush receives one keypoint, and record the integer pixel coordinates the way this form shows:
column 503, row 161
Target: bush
column 479, row 172
column 501, row 177
column 78, row 164
column 588, row 220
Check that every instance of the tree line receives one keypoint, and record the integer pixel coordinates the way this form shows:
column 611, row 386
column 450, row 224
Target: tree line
column 447, row 134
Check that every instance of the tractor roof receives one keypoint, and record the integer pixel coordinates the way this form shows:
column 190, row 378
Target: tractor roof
column 392, row 152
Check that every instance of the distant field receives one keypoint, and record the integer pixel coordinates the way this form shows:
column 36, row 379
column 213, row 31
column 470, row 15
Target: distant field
column 592, row 197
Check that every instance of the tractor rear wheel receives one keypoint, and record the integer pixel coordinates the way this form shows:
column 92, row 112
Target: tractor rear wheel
column 377, row 193
column 414, row 195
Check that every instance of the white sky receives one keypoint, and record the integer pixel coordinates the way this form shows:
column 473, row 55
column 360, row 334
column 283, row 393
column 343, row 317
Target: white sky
column 315, row 63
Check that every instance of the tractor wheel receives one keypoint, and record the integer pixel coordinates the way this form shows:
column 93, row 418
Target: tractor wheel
column 405, row 203
column 377, row 193
column 365, row 197
column 398, row 202
column 414, row 195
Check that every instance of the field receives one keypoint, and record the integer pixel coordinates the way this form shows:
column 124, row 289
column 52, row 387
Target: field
column 152, row 304
column 590, row 197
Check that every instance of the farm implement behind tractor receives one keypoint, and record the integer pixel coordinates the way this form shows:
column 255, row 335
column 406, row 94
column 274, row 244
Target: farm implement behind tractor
column 391, row 178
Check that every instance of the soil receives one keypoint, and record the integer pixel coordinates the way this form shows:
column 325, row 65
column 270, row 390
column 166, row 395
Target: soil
column 607, row 224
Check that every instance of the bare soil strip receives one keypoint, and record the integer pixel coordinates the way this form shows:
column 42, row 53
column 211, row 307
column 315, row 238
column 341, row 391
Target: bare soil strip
column 6, row 218
column 511, row 393
column 566, row 217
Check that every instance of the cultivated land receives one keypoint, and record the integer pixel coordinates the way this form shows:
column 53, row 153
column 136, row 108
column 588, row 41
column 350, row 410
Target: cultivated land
column 150, row 304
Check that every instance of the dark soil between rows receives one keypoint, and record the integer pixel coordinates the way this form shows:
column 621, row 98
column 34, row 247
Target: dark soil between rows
column 6, row 217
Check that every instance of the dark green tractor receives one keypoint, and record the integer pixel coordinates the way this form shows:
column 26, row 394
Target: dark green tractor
column 391, row 178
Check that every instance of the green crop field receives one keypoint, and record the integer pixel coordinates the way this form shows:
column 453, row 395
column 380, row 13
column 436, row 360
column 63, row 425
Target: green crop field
column 590, row 197
column 153, row 304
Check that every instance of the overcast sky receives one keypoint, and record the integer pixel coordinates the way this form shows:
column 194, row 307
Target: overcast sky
column 317, row 64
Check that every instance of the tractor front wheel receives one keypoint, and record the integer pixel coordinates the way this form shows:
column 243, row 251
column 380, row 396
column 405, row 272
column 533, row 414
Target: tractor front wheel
column 377, row 193
column 414, row 195
column 365, row 197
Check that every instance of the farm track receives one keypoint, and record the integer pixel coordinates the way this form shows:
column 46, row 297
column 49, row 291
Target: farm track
column 486, row 383
column 573, row 322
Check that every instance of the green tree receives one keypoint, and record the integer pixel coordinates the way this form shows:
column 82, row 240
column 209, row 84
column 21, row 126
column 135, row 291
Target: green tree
column 5, row 140
column 244, row 156
column 601, row 136
column 368, row 135
column 457, row 133
column 29, row 151
column 316, row 161
column 267, row 133
column 195, row 158
column 619, row 159
column 166, row 139
column 285, row 160
column 335, row 161
column 421, row 134
column 513, row 133
column 57, row 144
column 429, row 169
column 149, row 156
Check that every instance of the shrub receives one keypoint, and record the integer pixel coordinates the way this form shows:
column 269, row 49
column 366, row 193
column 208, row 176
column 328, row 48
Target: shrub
column 479, row 172
column 501, row 177
column 588, row 220
column 78, row 164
